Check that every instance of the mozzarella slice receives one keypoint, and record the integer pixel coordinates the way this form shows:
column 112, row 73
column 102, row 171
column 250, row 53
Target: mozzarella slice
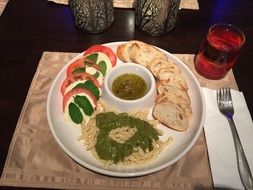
column 105, row 58
column 97, row 74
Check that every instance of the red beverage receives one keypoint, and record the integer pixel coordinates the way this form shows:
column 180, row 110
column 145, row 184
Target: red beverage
column 219, row 51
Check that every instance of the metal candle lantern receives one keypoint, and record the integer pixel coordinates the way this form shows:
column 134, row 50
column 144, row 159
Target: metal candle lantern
column 93, row 16
column 156, row 17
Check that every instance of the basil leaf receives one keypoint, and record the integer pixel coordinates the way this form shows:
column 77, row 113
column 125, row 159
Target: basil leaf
column 91, row 59
column 84, row 103
column 79, row 70
column 102, row 67
column 96, row 75
column 75, row 113
column 90, row 86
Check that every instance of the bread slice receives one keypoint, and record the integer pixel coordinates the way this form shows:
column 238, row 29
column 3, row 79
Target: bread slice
column 178, row 100
column 143, row 53
column 171, row 115
column 164, row 87
column 173, row 83
column 158, row 64
column 123, row 52
column 139, row 52
column 176, row 78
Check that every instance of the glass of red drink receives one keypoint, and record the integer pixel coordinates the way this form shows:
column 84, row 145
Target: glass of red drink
column 219, row 51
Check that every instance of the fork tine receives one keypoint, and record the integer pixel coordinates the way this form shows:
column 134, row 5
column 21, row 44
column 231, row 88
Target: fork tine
column 222, row 95
column 229, row 95
column 225, row 95
column 218, row 96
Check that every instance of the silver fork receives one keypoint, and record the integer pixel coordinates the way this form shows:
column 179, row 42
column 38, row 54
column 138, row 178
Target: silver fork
column 225, row 104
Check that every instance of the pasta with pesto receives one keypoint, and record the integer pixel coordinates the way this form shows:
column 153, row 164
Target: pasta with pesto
column 124, row 139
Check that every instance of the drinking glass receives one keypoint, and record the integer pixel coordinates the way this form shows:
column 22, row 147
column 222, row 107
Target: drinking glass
column 156, row 17
column 219, row 51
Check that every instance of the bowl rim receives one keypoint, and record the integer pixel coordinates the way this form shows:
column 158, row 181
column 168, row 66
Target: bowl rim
column 147, row 72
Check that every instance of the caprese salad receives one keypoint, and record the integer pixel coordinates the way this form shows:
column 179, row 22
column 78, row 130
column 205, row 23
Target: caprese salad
column 81, row 88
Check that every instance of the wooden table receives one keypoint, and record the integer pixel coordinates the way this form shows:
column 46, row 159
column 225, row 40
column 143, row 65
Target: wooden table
column 28, row 27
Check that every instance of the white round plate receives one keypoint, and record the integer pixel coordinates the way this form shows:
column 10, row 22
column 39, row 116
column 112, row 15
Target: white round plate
column 66, row 135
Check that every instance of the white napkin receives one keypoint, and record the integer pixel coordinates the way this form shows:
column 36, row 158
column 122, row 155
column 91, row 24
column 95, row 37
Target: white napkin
column 220, row 144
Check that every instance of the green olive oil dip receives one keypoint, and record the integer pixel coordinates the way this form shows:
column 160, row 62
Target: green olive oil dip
column 129, row 86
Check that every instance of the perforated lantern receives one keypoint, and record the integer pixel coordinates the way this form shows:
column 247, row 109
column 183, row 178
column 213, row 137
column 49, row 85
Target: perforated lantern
column 156, row 17
column 93, row 16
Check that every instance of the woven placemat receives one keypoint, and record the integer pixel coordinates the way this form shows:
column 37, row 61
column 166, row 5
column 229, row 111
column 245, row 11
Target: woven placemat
column 3, row 4
column 35, row 159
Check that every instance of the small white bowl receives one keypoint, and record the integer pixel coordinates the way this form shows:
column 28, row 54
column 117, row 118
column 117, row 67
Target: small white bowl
column 147, row 101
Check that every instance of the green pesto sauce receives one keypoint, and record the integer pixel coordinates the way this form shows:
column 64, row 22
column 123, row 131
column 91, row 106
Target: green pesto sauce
column 129, row 87
column 108, row 149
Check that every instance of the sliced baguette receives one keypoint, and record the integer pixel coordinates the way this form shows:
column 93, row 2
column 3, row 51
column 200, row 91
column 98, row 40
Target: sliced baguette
column 173, row 104
column 164, row 87
column 176, row 78
column 139, row 52
column 173, row 83
column 171, row 115
column 178, row 100
column 122, row 52
column 143, row 53
column 158, row 64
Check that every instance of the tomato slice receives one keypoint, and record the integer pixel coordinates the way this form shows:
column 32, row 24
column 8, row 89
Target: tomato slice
column 75, row 91
column 104, row 49
column 79, row 63
column 78, row 66
column 75, row 77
